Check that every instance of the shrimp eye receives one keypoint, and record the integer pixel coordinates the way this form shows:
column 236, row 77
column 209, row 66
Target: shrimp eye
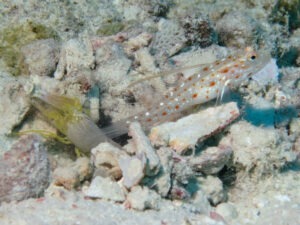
column 253, row 57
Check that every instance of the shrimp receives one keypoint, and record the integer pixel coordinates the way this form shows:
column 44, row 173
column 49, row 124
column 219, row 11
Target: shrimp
column 208, row 83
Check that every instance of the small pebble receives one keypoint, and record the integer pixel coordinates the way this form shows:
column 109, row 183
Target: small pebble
column 105, row 188
column 141, row 198
column 227, row 210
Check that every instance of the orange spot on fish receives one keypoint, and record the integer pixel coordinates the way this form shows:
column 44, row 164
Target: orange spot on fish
column 212, row 83
column 225, row 70
column 237, row 76
column 176, row 106
column 244, row 66
column 166, row 96
column 184, row 100
column 217, row 63
column 190, row 78
column 205, row 68
column 236, row 65
column 149, row 120
column 195, row 95
column 164, row 113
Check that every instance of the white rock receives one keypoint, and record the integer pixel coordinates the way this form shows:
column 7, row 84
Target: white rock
column 199, row 203
column 41, row 56
column 113, row 67
column 66, row 177
column 212, row 160
column 105, row 188
column 142, row 198
column 295, row 126
column 132, row 170
column 186, row 132
column 144, row 147
column 70, row 175
column 75, row 54
column 227, row 211
column 14, row 103
column 146, row 60
column 162, row 182
column 137, row 42
column 259, row 149
column 213, row 188
column 83, row 168
column 24, row 169
column 169, row 39
column 106, row 156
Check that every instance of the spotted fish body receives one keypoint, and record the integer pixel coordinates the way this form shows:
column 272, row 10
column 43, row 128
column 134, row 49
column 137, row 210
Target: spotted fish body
column 208, row 83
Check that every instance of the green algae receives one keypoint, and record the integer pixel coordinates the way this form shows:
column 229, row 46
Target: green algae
column 13, row 38
column 110, row 28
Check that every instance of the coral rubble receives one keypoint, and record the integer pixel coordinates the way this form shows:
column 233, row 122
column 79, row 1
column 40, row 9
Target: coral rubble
column 82, row 68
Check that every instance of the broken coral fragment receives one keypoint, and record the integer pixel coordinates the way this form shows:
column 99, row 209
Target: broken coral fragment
column 135, row 43
column 105, row 157
column 213, row 188
column 260, row 150
column 169, row 39
column 41, row 56
column 212, row 160
column 186, row 132
column 70, row 176
column 14, row 104
column 144, row 147
column 105, row 188
column 132, row 170
column 75, row 54
column 227, row 210
column 141, row 198
column 24, row 169
column 66, row 177
column 162, row 181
